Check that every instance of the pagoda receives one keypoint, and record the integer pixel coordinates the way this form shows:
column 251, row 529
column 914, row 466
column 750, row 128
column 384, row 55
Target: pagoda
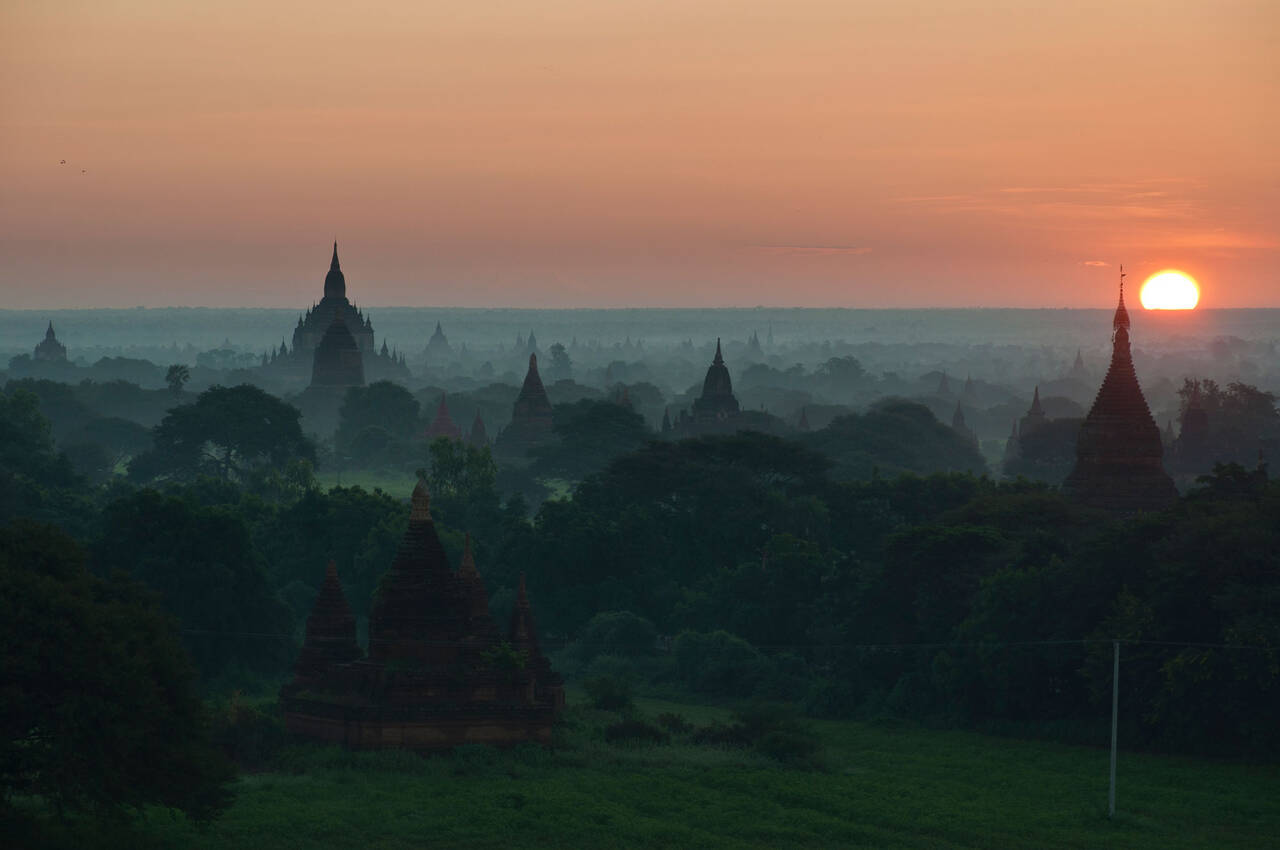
column 717, row 402
column 443, row 425
column 438, row 672
column 49, row 349
column 530, row 415
column 337, row 360
column 315, row 323
column 1119, row 451
column 716, row 410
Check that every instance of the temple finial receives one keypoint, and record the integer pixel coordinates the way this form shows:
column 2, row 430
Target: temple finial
column 719, row 360
column 420, row 503
column 468, row 565
column 333, row 264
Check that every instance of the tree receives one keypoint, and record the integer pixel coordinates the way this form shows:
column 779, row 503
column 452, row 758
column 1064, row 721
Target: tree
column 227, row 432
column 203, row 564
column 592, row 433
column 561, row 364
column 382, row 404
column 98, row 709
column 177, row 377
column 463, row 482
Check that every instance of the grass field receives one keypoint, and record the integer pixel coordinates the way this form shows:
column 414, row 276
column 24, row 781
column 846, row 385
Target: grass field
column 879, row 786
column 393, row 483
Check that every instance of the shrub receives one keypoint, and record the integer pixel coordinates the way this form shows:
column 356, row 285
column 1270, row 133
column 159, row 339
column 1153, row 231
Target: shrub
column 609, row 693
column 674, row 723
column 249, row 735
column 617, row 633
column 635, row 731
column 719, row 663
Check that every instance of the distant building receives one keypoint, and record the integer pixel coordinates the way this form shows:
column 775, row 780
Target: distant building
column 438, row 672
column 1119, row 451
column 443, row 424
column 337, row 360
column 49, row 349
column 530, row 415
column 438, row 349
column 958, row 425
column 1035, row 416
column 716, row 410
column 315, row 324
column 478, row 437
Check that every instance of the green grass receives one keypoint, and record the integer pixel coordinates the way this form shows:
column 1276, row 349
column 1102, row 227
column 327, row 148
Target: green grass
column 393, row 483
column 882, row 785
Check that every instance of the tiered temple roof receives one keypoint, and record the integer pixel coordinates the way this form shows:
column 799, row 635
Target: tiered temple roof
column 1119, row 451
column 443, row 425
column 530, row 415
column 337, row 361
column 717, row 401
column 438, row 672
column 49, row 349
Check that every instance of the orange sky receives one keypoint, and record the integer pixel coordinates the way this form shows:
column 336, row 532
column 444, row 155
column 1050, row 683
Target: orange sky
column 637, row 152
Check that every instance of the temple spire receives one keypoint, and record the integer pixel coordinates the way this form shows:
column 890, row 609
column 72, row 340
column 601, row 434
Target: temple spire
column 1122, row 315
column 719, row 360
column 468, row 566
column 333, row 264
column 420, row 503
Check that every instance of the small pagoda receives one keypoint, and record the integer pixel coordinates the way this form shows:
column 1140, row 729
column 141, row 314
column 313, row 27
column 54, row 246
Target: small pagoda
column 531, row 415
column 438, row 672
column 1119, row 452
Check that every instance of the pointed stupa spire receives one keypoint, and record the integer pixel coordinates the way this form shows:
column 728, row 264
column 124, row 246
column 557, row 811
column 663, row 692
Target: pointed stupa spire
column 1121, row 319
column 420, row 503
column 331, row 630
column 335, row 283
column 718, row 360
column 1036, row 409
column 48, row 334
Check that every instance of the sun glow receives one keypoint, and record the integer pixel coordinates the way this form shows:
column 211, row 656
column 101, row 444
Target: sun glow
column 1170, row 290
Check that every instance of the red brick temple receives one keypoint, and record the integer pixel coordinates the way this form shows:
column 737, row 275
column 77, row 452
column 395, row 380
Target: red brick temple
column 1119, row 452
column 438, row 672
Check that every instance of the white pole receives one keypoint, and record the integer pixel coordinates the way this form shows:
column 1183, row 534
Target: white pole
column 1115, row 714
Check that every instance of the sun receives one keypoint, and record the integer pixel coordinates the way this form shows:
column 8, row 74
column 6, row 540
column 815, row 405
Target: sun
column 1170, row 290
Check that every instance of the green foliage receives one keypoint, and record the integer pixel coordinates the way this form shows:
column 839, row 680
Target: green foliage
column 617, row 633
column 97, row 705
column 591, row 434
column 609, row 693
column 891, row 438
column 633, row 730
column 504, row 657
column 384, row 405
column 719, row 664
column 226, row 433
column 176, row 377
column 202, row 563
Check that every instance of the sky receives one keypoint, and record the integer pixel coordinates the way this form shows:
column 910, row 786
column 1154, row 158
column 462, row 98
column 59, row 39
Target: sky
column 562, row 153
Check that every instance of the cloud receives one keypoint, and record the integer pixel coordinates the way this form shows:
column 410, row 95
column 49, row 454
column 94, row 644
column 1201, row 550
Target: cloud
column 813, row 250
column 1098, row 263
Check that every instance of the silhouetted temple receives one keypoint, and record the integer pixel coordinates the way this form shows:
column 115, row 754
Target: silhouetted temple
column 716, row 409
column 438, row 348
column 478, row 437
column 438, row 672
column 49, row 349
column 337, row 360
column 315, row 325
column 717, row 401
column 530, row 415
column 1035, row 415
column 1119, row 450
column 961, row 428
column 443, row 424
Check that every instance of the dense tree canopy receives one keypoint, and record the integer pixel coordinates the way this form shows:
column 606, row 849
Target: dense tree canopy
column 97, row 704
column 228, row 432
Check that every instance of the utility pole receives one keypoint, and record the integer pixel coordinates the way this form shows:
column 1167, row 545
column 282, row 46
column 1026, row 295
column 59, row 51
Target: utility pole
column 1115, row 715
